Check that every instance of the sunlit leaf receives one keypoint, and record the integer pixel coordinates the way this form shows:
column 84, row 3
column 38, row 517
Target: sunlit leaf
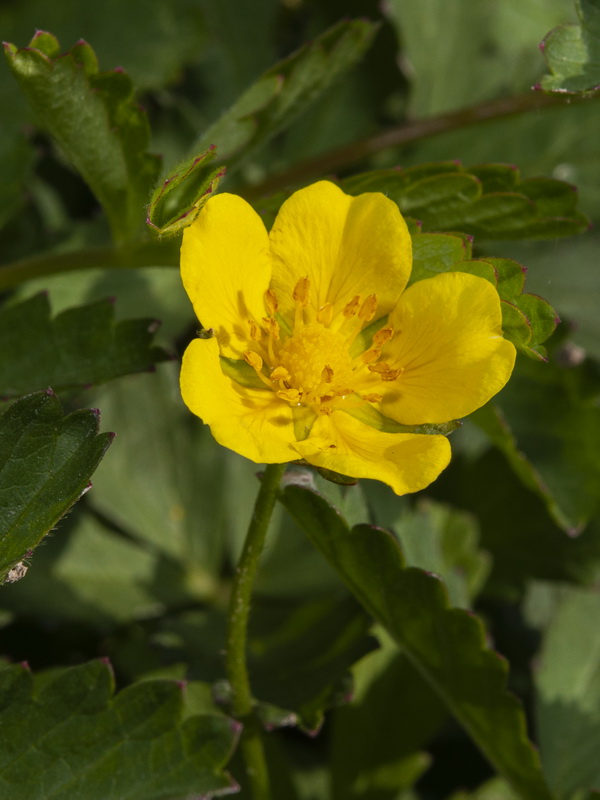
column 93, row 117
column 447, row 645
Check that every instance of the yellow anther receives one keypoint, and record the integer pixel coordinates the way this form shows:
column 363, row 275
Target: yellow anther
column 290, row 395
column 255, row 331
column 382, row 336
column 252, row 358
column 385, row 372
column 325, row 410
column 372, row 398
column 370, row 355
column 368, row 308
column 272, row 327
column 327, row 374
column 301, row 291
column 351, row 308
column 325, row 314
column 280, row 374
column 271, row 302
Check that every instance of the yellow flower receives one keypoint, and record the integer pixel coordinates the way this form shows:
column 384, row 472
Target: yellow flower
column 319, row 351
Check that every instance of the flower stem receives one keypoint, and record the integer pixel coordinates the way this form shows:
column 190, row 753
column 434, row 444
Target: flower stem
column 237, row 633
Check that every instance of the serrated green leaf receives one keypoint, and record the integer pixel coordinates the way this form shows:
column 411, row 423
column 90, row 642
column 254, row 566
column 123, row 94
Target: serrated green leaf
column 193, row 184
column 489, row 201
column 515, row 325
column 436, row 252
column 511, row 277
column 80, row 347
column 554, row 447
column 65, row 735
column 445, row 644
column 93, row 118
column 568, row 693
column 45, row 464
column 572, row 52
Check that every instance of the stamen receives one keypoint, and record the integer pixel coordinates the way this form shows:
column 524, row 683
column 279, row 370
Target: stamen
column 383, row 335
column 290, row 395
column 372, row 398
column 385, row 372
column 271, row 302
column 370, row 355
column 351, row 308
column 252, row 358
column 326, row 410
column 272, row 327
column 325, row 314
column 368, row 308
column 255, row 331
column 301, row 291
column 280, row 374
column 327, row 374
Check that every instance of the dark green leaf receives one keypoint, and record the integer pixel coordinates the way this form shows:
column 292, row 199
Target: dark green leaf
column 271, row 103
column 79, row 347
column 547, row 424
column 572, row 52
column 446, row 645
column 65, row 735
column 489, row 201
column 93, row 118
column 45, row 464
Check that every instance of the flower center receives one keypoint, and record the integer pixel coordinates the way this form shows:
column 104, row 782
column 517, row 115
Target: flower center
column 317, row 359
column 313, row 366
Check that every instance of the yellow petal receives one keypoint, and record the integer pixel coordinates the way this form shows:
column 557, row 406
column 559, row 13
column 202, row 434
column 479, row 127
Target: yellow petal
column 346, row 246
column 449, row 344
column 407, row 462
column 252, row 422
column 226, row 269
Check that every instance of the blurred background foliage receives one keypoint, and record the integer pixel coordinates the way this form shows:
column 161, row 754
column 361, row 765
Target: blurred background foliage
column 139, row 571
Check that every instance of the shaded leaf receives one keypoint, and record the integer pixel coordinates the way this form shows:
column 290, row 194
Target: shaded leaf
column 489, row 201
column 572, row 52
column 45, row 464
column 65, row 735
column 554, row 447
column 80, row 347
column 93, row 118
column 445, row 644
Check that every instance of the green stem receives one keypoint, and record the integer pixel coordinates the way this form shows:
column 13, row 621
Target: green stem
column 407, row 133
column 237, row 633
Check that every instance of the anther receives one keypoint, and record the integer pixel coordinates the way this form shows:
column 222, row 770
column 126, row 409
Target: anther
column 301, row 291
column 255, row 331
column 252, row 358
column 272, row 327
column 368, row 308
column 372, row 398
column 271, row 302
column 280, row 374
column 370, row 355
column 385, row 372
column 327, row 374
column 291, row 395
column 382, row 336
column 351, row 307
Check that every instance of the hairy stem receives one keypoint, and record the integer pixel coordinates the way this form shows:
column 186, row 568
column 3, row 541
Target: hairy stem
column 237, row 633
column 407, row 133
